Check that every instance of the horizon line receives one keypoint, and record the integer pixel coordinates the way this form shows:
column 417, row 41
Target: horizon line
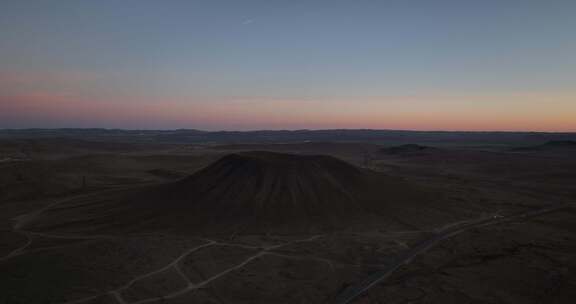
column 287, row 130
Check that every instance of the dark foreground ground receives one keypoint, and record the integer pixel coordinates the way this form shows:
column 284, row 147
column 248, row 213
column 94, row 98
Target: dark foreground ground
column 485, row 251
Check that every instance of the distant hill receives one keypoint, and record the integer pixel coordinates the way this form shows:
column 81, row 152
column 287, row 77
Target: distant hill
column 555, row 145
column 290, row 136
column 408, row 149
column 259, row 192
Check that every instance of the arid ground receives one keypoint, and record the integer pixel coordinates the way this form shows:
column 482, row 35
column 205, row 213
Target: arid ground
column 369, row 221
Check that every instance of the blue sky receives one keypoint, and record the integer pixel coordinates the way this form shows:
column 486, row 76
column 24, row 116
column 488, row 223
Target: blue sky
column 198, row 53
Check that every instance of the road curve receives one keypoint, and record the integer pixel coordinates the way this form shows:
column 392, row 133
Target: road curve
column 354, row 291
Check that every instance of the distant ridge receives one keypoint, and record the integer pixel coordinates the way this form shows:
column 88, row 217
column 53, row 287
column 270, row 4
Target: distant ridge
column 268, row 136
column 407, row 149
column 554, row 145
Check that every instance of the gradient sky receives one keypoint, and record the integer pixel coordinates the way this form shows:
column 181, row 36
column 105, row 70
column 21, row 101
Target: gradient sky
column 241, row 64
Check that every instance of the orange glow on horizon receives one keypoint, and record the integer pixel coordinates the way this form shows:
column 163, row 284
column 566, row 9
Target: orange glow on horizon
column 519, row 112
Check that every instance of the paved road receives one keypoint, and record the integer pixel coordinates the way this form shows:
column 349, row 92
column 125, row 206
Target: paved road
column 354, row 291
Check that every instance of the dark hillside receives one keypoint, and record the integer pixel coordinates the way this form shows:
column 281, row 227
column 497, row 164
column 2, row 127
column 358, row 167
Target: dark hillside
column 259, row 192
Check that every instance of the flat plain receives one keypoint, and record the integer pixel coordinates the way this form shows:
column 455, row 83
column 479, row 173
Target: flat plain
column 98, row 221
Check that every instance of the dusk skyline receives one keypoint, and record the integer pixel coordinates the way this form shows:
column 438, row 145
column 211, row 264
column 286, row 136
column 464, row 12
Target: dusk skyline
column 242, row 65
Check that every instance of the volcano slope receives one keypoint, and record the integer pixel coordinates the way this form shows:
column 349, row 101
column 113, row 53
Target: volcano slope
column 257, row 192
column 258, row 227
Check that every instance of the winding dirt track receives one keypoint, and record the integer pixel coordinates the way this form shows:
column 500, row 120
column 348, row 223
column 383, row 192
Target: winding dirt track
column 22, row 220
column 189, row 285
column 347, row 296
column 354, row 291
